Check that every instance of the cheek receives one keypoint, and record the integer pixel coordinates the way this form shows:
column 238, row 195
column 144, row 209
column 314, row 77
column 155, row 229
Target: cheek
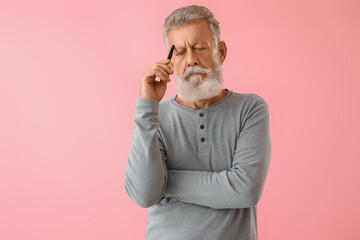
column 180, row 73
column 179, row 69
column 208, row 60
column 176, row 71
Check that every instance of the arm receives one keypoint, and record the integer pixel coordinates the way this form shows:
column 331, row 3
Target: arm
column 146, row 172
column 243, row 184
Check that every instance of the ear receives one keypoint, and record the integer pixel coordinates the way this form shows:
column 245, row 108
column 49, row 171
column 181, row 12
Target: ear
column 222, row 51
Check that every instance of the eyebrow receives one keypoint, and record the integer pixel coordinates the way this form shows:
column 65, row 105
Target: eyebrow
column 182, row 47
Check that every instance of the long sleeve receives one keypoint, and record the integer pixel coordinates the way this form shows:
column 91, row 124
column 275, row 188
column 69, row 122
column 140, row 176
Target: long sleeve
column 146, row 172
column 243, row 184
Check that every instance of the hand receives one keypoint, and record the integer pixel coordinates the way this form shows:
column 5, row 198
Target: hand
column 156, row 89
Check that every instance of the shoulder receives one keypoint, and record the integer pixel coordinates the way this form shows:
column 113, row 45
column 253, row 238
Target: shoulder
column 252, row 107
column 248, row 100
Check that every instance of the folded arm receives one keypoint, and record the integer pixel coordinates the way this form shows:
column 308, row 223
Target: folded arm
column 243, row 184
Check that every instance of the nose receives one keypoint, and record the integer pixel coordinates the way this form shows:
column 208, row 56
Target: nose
column 192, row 59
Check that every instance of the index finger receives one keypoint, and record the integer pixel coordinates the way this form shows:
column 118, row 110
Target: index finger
column 165, row 61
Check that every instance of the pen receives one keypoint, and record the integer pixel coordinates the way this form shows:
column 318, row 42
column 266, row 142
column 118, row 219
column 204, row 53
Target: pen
column 171, row 52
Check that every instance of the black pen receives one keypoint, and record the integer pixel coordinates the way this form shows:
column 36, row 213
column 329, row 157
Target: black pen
column 171, row 52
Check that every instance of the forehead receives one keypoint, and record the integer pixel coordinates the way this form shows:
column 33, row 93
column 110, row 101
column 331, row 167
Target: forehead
column 191, row 33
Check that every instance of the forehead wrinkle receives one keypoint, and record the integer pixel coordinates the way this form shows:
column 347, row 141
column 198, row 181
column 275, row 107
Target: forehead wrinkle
column 181, row 46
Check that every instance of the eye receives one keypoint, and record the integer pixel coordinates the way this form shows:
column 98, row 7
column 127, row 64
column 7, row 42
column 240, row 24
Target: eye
column 199, row 48
column 180, row 53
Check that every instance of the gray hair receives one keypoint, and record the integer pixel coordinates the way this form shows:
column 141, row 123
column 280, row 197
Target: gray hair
column 187, row 14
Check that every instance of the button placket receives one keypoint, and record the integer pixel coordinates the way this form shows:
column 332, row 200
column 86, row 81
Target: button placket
column 202, row 130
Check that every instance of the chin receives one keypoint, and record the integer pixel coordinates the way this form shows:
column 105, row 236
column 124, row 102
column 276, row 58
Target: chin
column 196, row 79
column 205, row 89
column 196, row 87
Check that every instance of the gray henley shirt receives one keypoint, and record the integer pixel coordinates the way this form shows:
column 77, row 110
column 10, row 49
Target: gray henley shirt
column 200, row 173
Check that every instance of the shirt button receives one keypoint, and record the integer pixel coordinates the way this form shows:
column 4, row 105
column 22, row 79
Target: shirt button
column 203, row 139
column 202, row 126
column 201, row 114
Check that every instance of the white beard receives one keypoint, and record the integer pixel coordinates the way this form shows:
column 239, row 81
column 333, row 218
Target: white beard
column 197, row 87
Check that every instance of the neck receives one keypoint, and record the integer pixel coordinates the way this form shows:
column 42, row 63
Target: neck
column 203, row 103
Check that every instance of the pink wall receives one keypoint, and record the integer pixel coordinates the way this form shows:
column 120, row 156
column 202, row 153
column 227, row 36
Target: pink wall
column 70, row 76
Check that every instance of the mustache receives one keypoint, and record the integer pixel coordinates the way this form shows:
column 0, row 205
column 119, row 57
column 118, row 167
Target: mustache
column 195, row 69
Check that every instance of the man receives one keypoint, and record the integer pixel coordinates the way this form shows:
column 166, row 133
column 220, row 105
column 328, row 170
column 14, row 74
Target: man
column 199, row 160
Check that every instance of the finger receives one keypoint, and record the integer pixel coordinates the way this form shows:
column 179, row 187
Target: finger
column 149, row 75
column 163, row 71
column 167, row 61
column 167, row 68
column 161, row 75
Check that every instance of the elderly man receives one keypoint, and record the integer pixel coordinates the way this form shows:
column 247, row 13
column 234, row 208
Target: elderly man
column 199, row 160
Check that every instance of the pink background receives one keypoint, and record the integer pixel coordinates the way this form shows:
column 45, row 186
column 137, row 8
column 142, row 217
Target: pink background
column 70, row 76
